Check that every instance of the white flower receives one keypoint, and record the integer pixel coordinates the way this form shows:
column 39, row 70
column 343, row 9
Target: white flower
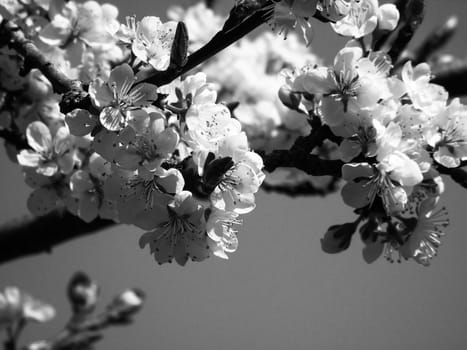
column 430, row 98
column 220, row 228
column 74, row 25
column 153, row 42
column 208, row 125
column 290, row 13
column 333, row 10
column 425, row 238
column 141, row 196
column 118, row 98
column 447, row 135
column 49, row 154
column 365, row 16
column 354, row 84
column 149, row 149
column 16, row 306
column 181, row 232
column 237, row 186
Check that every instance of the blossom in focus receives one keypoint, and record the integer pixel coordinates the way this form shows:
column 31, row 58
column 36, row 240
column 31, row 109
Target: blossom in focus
column 236, row 188
column 16, row 305
column 425, row 96
column 149, row 149
column 416, row 233
column 181, row 232
column 354, row 84
column 141, row 196
column 365, row 16
column 151, row 41
column 425, row 238
column 118, row 99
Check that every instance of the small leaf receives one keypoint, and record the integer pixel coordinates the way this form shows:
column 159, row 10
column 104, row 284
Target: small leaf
column 289, row 98
column 338, row 238
column 179, row 53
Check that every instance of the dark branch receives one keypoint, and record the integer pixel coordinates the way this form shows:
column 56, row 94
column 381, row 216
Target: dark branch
column 309, row 163
column 435, row 41
column 235, row 28
column 453, row 79
column 303, row 188
column 415, row 10
column 34, row 235
column 14, row 138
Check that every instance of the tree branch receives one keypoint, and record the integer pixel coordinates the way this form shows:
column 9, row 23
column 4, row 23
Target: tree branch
column 309, row 163
column 236, row 27
column 33, row 58
column 453, row 79
column 34, row 235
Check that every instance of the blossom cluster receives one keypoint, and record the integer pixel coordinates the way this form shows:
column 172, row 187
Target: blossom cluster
column 353, row 18
column 181, row 165
column 248, row 73
column 170, row 160
column 396, row 132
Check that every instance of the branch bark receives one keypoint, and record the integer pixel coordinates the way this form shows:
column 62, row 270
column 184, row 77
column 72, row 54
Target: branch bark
column 34, row 235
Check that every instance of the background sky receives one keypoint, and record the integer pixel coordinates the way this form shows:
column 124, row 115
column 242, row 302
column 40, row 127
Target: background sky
column 279, row 290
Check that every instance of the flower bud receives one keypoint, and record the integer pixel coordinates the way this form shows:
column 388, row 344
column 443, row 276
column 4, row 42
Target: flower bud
column 388, row 17
column 289, row 98
column 126, row 304
column 82, row 293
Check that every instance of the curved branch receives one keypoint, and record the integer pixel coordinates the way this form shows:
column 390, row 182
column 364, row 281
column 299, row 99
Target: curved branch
column 34, row 235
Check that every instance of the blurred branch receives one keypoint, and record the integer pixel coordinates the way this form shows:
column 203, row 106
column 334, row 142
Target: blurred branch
column 415, row 10
column 453, row 79
column 458, row 175
column 13, row 36
column 435, row 40
column 303, row 188
column 34, row 235
column 210, row 3
column 14, row 138
column 309, row 163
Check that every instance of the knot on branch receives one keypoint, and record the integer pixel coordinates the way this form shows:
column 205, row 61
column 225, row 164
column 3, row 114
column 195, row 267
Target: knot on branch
column 77, row 97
